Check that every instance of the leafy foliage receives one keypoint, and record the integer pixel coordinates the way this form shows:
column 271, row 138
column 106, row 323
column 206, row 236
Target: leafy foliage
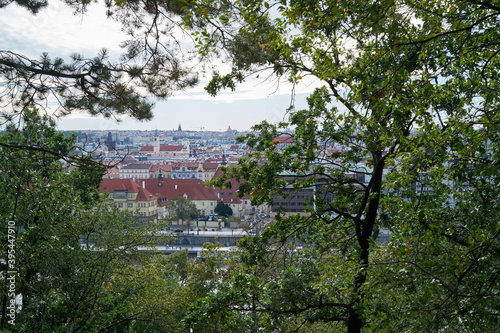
column 68, row 245
column 182, row 208
column 223, row 209
column 152, row 65
column 410, row 104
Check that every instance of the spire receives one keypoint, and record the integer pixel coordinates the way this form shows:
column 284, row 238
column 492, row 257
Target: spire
column 160, row 179
column 110, row 144
column 156, row 143
column 224, row 162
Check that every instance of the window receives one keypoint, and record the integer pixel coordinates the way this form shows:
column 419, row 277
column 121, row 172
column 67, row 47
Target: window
column 211, row 204
column 130, row 205
column 203, row 203
column 120, row 205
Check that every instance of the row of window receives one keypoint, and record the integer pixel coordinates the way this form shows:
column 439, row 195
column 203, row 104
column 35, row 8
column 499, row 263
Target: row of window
column 183, row 176
column 147, row 213
column 289, row 203
column 146, row 204
column 140, row 204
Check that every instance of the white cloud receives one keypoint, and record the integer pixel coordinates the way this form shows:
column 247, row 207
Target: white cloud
column 57, row 30
column 253, row 88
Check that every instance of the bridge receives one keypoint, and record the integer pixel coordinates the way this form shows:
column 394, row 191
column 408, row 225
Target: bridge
column 225, row 236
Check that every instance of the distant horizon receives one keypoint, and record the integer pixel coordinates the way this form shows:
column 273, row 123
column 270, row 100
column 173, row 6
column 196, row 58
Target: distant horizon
column 195, row 114
column 145, row 130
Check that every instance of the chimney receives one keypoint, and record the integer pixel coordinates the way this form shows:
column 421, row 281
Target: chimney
column 143, row 184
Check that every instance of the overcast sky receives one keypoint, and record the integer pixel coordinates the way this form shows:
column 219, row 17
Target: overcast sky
column 57, row 31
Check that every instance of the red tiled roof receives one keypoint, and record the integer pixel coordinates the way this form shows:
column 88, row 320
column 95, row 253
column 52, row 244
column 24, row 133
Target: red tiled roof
column 145, row 195
column 113, row 170
column 129, row 159
column 189, row 165
column 167, row 168
column 208, row 165
column 229, row 195
column 111, row 185
column 284, row 139
column 195, row 189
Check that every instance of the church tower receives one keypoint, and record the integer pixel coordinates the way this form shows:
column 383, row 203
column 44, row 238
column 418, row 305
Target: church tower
column 224, row 161
column 156, row 143
column 110, row 144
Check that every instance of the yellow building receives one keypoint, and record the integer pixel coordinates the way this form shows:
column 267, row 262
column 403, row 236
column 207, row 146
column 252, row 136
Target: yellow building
column 130, row 195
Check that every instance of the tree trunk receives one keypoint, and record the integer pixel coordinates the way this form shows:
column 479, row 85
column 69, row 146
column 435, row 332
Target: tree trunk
column 354, row 324
column 365, row 230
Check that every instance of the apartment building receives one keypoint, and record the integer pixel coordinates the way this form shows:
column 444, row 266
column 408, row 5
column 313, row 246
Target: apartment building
column 129, row 195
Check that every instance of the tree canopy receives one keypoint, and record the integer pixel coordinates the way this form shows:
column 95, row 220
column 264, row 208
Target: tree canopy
column 223, row 209
column 63, row 245
column 182, row 208
column 410, row 97
column 152, row 66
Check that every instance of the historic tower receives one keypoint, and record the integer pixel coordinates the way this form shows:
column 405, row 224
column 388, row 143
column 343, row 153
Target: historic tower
column 156, row 143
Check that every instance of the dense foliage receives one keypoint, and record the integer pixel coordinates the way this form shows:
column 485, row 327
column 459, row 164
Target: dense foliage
column 181, row 208
column 410, row 102
column 223, row 209
column 409, row 99
column 63, row 246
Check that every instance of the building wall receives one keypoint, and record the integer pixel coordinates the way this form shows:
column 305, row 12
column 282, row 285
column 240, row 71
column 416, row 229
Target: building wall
column 127, row 201
column 134, row 173
column 206, row 207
